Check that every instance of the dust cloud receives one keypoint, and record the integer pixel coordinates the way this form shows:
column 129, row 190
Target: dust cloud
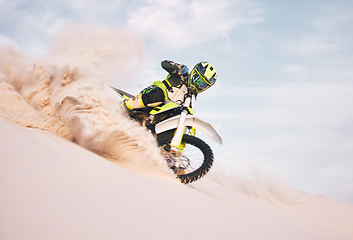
column 66, row 92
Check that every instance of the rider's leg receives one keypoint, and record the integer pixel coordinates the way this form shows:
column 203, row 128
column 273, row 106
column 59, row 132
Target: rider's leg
column 149, row 97
column 133, row 103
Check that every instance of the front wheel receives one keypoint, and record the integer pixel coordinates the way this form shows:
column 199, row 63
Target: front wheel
column 195, row 159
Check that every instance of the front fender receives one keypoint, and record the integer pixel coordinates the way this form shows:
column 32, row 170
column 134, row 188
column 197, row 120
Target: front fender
column 191, row 121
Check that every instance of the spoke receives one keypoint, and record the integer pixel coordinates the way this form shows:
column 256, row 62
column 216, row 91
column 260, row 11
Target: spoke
column 192, row 162
column 189, row 162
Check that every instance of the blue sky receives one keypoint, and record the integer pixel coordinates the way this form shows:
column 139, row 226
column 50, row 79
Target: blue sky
column 284, row 98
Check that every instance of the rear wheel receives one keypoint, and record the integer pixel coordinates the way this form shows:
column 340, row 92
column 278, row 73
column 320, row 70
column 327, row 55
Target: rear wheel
column 194, row 161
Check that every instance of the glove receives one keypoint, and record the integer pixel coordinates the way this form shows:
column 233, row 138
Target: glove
column 183, row 70
column 184, row 73
column 176, row 69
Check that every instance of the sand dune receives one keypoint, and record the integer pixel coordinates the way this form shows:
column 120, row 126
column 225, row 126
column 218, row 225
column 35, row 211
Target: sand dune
column 52, row 188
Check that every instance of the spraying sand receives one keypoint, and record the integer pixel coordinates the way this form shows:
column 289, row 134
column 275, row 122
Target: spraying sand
column 67, row 92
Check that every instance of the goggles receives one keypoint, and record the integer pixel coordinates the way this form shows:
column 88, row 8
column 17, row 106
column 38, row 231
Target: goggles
column 200, row 82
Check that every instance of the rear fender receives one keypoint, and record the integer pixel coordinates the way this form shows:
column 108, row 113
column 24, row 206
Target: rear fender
column 191, row 121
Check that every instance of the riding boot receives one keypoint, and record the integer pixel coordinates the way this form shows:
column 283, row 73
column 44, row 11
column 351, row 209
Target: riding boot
column 133, row 103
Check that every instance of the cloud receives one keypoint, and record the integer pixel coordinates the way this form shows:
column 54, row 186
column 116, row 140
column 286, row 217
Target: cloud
column 4, row 40
column 297, row 70
column 299, row 131
column 335, row 18
column 327, row 33
column 97, row 12
column 178, row 24
column 31, row 25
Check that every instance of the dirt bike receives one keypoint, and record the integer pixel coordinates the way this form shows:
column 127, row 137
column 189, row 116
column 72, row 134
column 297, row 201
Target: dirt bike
column 174, row 127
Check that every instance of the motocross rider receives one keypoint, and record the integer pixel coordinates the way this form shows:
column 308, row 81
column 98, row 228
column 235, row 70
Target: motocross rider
column 175, row 86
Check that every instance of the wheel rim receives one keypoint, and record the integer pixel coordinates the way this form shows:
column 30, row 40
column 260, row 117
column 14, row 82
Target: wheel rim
column 190, row 160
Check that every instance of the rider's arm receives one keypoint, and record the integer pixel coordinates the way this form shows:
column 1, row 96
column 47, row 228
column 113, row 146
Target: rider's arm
column 178, row 72
column 172, row 67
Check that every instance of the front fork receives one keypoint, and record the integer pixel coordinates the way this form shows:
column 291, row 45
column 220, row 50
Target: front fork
column 175, row 144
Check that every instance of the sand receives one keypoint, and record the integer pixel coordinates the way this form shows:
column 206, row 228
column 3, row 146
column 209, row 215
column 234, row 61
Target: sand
column 51, row 188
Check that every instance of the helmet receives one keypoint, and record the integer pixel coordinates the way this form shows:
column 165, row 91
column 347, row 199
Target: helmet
column 202, row 76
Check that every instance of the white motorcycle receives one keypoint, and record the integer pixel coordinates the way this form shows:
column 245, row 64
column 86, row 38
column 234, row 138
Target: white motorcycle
column 174, row 127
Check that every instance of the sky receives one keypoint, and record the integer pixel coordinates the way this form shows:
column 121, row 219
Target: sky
column 284, row 96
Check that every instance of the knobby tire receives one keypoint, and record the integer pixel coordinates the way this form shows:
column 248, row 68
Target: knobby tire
column 166, row 137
